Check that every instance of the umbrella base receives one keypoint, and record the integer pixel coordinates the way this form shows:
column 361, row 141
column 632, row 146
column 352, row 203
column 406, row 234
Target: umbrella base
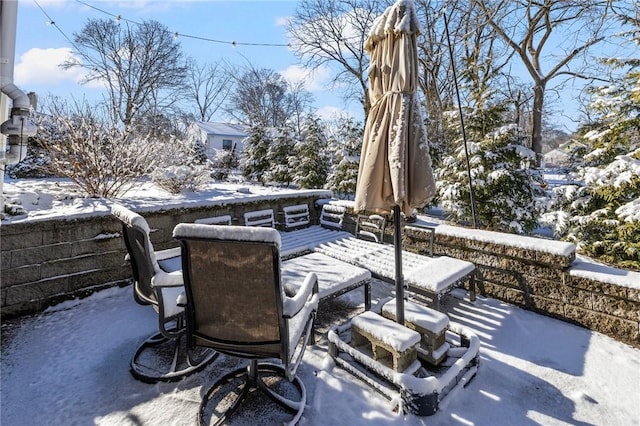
column 420, row 388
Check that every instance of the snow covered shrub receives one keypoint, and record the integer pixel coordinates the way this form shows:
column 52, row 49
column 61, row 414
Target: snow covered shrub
column 180, row 166
column 35, row 165
column 310, row 164
column 601, row 214
column 176, row 179
column 225, row 161
column 13, row 208
column 346, row 146
column 101, row 158
column 505, row 187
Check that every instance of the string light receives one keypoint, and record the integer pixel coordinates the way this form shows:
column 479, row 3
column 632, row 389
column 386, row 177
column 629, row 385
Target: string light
column 176, row 34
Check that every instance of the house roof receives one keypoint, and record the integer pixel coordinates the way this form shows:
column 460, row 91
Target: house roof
column 223, row 129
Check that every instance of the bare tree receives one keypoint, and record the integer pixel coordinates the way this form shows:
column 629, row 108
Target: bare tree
column 133, row 61
column 262, row 97
column 208, row 86
column 326, row 32
column 552, row 33
column 301, row 101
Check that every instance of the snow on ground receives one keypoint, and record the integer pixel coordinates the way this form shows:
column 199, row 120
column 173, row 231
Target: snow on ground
column 49, row 198
column 69, row 366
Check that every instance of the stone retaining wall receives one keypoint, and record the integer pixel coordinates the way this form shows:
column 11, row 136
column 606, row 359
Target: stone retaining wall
column 45, row 262
column 543, row 276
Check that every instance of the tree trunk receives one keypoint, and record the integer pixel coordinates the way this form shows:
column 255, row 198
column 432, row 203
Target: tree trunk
column 536, row 120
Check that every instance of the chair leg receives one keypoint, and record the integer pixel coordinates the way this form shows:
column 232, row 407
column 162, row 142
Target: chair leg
column 162, row 359
column 251, row 380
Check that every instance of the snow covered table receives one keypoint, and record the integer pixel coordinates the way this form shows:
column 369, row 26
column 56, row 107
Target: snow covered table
column 424, row 275
column 334, row 276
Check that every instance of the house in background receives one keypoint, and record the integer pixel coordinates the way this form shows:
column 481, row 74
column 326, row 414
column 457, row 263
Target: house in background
column 217, row 136
column 561, row 156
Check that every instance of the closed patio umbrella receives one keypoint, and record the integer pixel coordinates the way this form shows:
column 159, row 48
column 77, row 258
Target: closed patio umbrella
column 395, row 172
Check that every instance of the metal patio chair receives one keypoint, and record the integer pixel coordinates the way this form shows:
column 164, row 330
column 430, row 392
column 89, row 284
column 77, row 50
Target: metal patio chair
column 157, row 281
column 236, row 305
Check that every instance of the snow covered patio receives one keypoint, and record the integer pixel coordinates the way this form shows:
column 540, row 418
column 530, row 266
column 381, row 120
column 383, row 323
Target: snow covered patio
column 69, row 365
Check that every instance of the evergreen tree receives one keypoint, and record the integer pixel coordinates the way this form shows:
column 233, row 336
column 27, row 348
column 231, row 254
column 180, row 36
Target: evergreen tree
column 346, row 147
column 506, row 188
column 310, row 165
column 255, row 162
column 279, row 157
column 601, row 213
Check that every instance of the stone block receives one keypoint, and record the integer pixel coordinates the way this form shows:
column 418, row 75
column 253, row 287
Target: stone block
column 577, row 297
column 69, row 231
column 391, row 344
column 548, row 289
column 633, row 294
column 597, row 286
column 21, row 275
column 70, row 265
column 38, row 255
column 618, row 328
column 617, row 307
column 551, row 307
column 39, row 290
column 21, row 240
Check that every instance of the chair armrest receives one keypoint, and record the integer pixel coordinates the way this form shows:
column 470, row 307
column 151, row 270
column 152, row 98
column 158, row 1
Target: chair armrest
column 167, row 279
column 168, row 253
column 293, row 305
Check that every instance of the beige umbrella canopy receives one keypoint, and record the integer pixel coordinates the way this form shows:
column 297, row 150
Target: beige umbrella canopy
column 395, row 167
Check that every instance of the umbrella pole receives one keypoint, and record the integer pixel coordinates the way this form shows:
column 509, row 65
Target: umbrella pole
column 397, row 244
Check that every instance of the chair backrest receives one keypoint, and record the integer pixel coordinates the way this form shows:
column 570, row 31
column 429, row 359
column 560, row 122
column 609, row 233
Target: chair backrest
column 234, row 295
column 371, row 227
column 264, row 218
column 332, row 216
column 296, row 216
column 135, row 231
column 215, row 220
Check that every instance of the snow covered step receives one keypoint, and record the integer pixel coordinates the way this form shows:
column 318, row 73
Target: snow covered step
column 431, row 324
column 391, row 343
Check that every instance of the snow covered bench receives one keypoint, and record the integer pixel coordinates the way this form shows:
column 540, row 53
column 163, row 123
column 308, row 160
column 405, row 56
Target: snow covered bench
column 334, row 277
column 391, row 343
column 427, row 276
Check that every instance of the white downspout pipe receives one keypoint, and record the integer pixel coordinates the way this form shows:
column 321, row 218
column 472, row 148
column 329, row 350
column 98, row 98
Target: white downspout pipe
column 19, row 127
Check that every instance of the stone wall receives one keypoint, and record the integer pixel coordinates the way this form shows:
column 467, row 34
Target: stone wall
column 543, row 276
column 47, row 261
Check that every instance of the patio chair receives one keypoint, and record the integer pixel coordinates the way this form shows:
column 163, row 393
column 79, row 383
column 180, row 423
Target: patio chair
column 157, row 281
column 371, row 227
column 264, row 218
column 236, row 305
